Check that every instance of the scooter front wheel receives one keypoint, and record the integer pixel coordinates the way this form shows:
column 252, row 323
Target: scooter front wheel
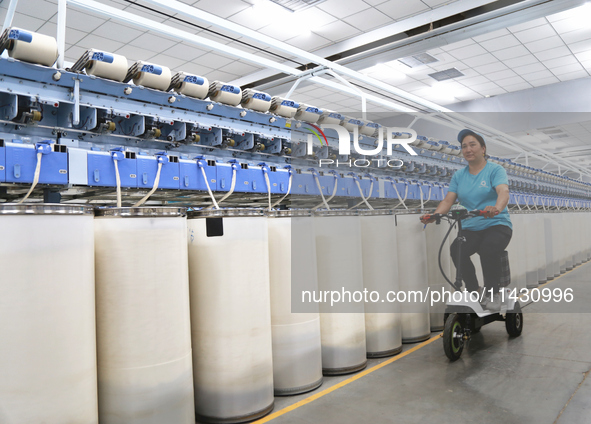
column 514, row 321
column 453, row 337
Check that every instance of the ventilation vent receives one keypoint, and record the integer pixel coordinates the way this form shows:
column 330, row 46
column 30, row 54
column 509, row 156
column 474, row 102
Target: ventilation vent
column 554, row 137
column 447, row 74
column 297, row 5
column 418, row 60
column 553, row 132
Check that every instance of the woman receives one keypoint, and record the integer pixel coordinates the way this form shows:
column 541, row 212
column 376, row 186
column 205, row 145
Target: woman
column 480, row 185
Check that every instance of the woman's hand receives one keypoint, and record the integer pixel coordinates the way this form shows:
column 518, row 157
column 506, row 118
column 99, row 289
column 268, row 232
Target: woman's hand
column 491, row 211
column 427, row 219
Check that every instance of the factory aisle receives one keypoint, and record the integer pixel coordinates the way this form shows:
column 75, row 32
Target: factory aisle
column 541, row 377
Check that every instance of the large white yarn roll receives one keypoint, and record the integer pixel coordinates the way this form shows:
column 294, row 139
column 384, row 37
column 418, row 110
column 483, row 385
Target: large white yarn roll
column 297, row 358
column 412, row 276
column 338, row 250
column 231, row 319
column 47, row 326
column 107, row 65
column 32, row 47
column 380, row 274
column 152, row 76
column 143, row 320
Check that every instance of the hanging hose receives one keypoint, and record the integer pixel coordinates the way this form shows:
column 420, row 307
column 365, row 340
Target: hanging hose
column 421, row 196
column 200, row 165
column 117, row 155
column 266, row 173
column 35, row 178
column 364, row 200
column 118, row 183
column 288, row 187
column 232, row 186
column 401, row 201
column 154, row 187
column 315, row 174
column 334, row 192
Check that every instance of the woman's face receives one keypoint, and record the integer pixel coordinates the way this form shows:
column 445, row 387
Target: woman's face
column 471, row 148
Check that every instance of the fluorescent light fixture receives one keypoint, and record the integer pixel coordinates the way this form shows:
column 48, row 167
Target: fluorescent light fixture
column 297, row 5
column 280, row 18
column 384, row 71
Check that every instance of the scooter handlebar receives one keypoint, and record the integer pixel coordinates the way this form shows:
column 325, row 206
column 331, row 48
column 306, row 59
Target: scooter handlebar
column 457, row 214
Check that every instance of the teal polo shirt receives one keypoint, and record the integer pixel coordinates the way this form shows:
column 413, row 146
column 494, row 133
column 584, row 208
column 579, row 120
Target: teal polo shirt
column 479, row 191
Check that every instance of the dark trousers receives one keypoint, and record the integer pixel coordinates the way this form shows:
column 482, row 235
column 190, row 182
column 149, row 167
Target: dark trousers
column 489, row 244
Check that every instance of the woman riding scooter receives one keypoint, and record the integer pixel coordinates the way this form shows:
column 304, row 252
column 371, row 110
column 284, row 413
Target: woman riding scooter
column 480, row 185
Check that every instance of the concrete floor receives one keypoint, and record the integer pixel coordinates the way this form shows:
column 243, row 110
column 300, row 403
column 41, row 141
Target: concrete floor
column 539, row 378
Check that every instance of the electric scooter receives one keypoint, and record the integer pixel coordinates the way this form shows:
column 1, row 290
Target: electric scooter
column 464, row 315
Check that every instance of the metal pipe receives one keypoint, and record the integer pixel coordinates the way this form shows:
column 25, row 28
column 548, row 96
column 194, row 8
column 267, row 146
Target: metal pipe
column 9, row 14
column 61, row 32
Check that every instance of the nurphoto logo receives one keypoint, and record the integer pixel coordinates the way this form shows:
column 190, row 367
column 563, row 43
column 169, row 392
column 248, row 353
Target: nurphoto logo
column 345, row 145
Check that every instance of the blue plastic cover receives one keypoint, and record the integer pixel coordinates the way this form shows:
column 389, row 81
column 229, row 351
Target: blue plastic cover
column 20, row 35
column 21, row 160
column 262, row 96
column 102, row 57
column 230, row 88
column 194, row 79
column 152, row 69
column 290, row 103
column 147, row 167
column 101, row 170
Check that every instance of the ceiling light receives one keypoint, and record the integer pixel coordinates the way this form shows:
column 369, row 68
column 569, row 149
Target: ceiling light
column 280, row 18
column 384, row 71
column 297, row 5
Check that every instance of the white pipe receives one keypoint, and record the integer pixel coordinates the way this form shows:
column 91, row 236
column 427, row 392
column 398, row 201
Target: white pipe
column 154, row 187
column 364, row 200
column 232, row 187
column 363, row 98
column 118, row 183
column 286, row 194
column 35, row 178
column 215, row 203
column 9, row 15
column 61, row 33
column 321, row 194
column 334, row 192
column 268, row 188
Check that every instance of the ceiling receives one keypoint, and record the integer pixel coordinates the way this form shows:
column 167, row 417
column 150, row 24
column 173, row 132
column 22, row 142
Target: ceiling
column 513, row 62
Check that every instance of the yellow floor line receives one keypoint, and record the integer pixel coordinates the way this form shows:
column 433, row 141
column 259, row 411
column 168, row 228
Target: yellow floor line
column 368, row 371
column 344, row 382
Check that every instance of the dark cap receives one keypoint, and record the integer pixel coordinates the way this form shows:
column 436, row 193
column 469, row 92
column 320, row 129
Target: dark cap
column 462, row 134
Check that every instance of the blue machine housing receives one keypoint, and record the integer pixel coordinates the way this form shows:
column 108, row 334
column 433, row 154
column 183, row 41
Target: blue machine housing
column 2, row 162
column 101, row 170
column 21, row 161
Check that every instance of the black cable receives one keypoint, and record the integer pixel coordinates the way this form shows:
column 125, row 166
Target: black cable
column 212, row 31
column 441, row 249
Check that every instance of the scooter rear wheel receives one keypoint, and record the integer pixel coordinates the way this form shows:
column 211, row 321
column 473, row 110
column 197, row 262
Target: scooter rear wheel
column 453, row 337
